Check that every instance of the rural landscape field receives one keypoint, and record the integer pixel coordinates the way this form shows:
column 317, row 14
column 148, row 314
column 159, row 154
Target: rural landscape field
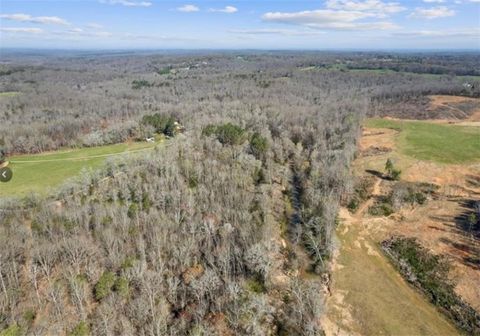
column 239, row 168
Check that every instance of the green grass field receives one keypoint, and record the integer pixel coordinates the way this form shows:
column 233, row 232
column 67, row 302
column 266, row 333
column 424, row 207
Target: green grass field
column 9, row 94
column 43, row 172
column 434, row 142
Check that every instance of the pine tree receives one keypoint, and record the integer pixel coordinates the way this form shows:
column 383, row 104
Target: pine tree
column 392, row 172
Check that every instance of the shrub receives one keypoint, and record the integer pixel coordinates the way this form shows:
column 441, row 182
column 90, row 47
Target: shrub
column 259, row 176
column 473, row 221
column 161, row 123
column 412, row 193
column 104, row 285
column 128, row 262
column 258, row 145
column 81, row 329
column 430, row 273
column 392, row 172
column 132, row 210
column 122, row 286
column 164, row 71
column 381, row 209
column 192, row 181
column 353, row 204
column 230, row 134
column 107, row 220
column 13, row 330
column 362, row 190
column 395, row 174
column 419, row 198
column 227, row 134
column 146, row 202
column 209, row 130
column 389, row 165
column 256, row 286
column 138, row 84
column 29, row 315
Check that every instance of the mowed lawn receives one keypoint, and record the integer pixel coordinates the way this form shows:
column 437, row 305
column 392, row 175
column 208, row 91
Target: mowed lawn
column 43, row 172
column 434, row 142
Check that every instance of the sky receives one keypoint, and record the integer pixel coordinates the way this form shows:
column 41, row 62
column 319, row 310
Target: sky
column 240, row 24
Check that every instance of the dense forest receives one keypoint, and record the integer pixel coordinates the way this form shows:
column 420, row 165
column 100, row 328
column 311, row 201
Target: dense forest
column 224, row 230
column 88, row 100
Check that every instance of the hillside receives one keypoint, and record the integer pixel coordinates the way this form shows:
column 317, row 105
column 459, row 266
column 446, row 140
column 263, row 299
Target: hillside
column 228, row 225
column 368, row 294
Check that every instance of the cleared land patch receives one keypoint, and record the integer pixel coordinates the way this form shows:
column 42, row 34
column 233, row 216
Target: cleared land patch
column 439, row 224
column 375, row 300
column 464, row 104
column 38, row 173
column 434, row 142
column 9, row 94
column 388, row 304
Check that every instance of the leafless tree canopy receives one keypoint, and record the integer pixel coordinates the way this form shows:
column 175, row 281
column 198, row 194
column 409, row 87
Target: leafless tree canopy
column 201, row 236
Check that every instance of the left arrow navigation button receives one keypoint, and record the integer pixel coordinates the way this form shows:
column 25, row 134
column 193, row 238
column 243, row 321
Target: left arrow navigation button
column 6, row 174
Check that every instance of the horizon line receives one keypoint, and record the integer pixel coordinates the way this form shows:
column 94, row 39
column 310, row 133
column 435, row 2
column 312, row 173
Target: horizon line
column 469, row 50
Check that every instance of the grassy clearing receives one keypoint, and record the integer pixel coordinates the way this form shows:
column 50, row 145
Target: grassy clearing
column 381, row 302
column 434, row 142
column 430, row 273
column 38, row 173
column 9, row 94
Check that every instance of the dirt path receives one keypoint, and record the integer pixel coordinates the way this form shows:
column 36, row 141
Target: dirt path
column 88, row 157
column 363, row 208
column 369, row 297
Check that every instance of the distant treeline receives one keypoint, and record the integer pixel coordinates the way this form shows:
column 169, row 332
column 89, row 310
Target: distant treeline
column 84, row 101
